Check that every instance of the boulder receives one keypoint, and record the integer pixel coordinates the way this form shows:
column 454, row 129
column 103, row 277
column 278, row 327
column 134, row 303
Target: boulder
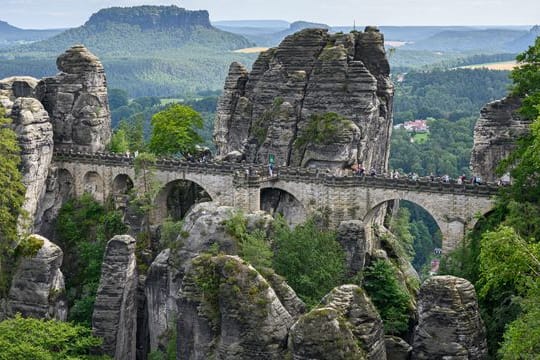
column 35, row 135
column 271, row 109
column 495, row 136
column 397, row 348
column 37, row 289
column 227, row 310
column 345, row 326
column 115, row 310
column 77, row 103
column 449, row 323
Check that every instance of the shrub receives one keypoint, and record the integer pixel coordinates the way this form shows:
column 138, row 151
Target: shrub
column 22, row 339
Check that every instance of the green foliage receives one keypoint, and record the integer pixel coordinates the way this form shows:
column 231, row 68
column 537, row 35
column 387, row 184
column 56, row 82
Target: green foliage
column 389, row 298
column 309, row 257
column 29, row 246
column 400, row 227
column 526, row 80
column 83, row 228
column 11, row 198
column 22, row 339
column 446, row 151
column 119, row 143
column 323, row 129
column 117, row 98
column 447, row 94
column 253, row 246
column 175, row 130
column 170, row 230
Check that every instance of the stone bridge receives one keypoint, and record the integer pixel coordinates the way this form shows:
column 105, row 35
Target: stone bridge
column 454, row 207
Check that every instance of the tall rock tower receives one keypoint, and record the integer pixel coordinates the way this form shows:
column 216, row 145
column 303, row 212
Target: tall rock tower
column 317, row 100
column 495, row 136
column 77, row 103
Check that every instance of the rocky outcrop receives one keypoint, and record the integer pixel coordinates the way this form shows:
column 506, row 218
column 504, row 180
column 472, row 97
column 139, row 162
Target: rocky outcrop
column 37, row 289
column 115, row 310
column 227, row 310
column 35, row 135
column 77, row 103
column 449, row 323
column 162, row 285
column 287, row 104
column 351, row 236
column 204, row 228
column 345, row 326
column 495, row 136
column 397, row 348
column 18, row 86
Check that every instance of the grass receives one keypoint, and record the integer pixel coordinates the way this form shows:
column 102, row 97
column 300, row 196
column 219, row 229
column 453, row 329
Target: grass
column 420, row 137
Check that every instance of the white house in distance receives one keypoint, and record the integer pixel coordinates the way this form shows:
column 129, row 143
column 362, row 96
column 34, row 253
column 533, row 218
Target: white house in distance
column 416, row 126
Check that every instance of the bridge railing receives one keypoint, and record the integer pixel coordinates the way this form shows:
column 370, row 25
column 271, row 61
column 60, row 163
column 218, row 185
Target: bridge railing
column 257, row 174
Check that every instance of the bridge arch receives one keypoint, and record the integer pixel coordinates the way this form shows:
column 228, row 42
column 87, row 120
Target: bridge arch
column 278, row 200
column 451, row 221
column 175, row 199
column 93, row 184
column 122, row 184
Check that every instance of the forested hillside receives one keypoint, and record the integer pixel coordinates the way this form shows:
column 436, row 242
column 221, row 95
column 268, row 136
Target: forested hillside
column 502, row 255
column 146, row 50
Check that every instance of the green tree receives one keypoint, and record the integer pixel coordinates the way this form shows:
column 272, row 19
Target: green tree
column 389, row 298
column 11, row 197
column 83, row 228
column 175, row 130
column 22, row 339
column 117, row 98
column 119, row 143
column 526, row 80
column 309, row 257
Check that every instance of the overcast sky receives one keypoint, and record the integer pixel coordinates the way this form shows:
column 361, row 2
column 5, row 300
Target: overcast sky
column 70, row 13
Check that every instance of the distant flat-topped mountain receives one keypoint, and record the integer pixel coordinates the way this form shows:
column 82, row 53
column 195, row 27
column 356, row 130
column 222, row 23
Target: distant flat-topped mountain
column 147, row 50
column 142, row 29
column 11, row 35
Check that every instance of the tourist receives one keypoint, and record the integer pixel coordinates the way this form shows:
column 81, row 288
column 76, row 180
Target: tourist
column 271, row 169
column 373, row 172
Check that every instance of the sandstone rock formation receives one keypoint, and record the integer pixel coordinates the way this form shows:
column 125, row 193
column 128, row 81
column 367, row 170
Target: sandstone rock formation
column 227, row 310
column 397, row 348
column 77, row 103
column 449, row 323
column 204, row 227
column 495, row 136
column 37, row 289
column 18, row 86
column 115, row 310
column 274, row 108
column 345, row 326
column 35, row 135
column 351, row 236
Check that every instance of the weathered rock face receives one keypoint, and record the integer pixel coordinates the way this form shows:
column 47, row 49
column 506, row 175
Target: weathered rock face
column 18, row 86
column 77, row 103
column 227, row 310
column 495, row 136
column 345, row 326
column 115, row 310
column 449, row 323
column 35, row 135
column 37, row 289
column 397, row 348
column 311, row 73
column 351, row 236
column 204, row 227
